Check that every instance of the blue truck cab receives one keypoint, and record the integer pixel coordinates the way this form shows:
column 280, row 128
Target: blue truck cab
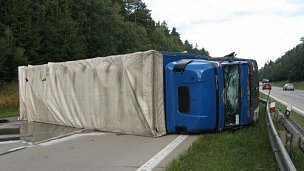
column 203, row 95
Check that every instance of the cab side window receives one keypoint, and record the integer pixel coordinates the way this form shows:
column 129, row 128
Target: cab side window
column 184, row 99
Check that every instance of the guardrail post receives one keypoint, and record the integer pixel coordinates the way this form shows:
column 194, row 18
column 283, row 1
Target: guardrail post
column 288, row 110
column 282, row 135
column 279, row 116
column 272, row 110
column 268, row 95
column 288, row 143
column 295, row 140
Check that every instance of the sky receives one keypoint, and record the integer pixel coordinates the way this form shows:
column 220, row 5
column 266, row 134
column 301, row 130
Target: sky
column 261, row 29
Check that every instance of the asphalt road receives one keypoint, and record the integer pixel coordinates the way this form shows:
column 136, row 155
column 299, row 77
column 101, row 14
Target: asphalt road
column 89, row 151
column 294, row 98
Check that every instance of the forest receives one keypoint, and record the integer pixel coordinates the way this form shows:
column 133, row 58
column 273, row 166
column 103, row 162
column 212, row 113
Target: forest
column 36, row 32
column 289, row 67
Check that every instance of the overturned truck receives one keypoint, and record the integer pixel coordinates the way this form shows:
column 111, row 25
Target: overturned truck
column 145, row 93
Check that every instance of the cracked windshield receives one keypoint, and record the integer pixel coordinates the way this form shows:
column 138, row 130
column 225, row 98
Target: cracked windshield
column 232, row 94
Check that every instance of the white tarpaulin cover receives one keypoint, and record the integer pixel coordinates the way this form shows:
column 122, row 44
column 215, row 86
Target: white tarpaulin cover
column 122, row 93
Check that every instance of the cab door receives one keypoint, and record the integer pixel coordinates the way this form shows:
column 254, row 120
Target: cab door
column 191, row 103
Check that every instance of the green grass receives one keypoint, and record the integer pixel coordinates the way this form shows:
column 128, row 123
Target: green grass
column 293, row 115
column 9, row 99
column 9, row 111
column 297, row 85
column 244, row 149
column 297, row 157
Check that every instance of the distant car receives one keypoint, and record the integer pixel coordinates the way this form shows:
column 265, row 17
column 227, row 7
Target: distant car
column 265, row 80
column 266, row 86
column 288, row 86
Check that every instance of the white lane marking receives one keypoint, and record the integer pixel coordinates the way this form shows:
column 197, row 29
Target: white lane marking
column 16, row 141
column 149, row 165
column 301, row 112
column 18, row 148
column 55, row 141
column 9, row 142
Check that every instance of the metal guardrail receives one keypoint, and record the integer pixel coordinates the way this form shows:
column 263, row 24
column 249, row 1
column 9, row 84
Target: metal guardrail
column 294, row 129
column 283, row 159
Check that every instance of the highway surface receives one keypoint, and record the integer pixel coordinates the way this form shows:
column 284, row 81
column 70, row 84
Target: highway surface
column 62, row 148
column 294, row 98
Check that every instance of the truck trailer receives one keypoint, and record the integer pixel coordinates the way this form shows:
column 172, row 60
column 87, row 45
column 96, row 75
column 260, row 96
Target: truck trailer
column 145, row 93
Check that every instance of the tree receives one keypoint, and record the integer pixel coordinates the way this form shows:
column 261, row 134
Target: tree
column 178, row 44
column 13, row 32
column 35, row 32
column 100, row 23
column 134, row 38
column 60, row 40
column 288, row 67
